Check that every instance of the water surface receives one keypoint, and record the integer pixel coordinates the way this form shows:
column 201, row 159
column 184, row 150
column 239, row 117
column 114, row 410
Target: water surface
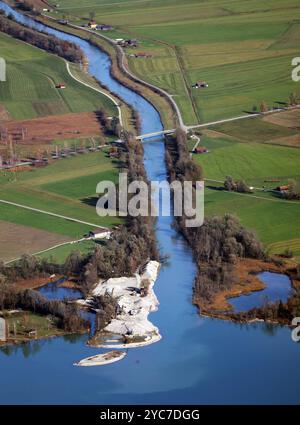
column 278, row 288
column 54, row 291
column 198, row 360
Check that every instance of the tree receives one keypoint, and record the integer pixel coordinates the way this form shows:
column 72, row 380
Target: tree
column 229, row 184
column 263, row 107
column 242, row 187
column 292, row 101
column 73, row 263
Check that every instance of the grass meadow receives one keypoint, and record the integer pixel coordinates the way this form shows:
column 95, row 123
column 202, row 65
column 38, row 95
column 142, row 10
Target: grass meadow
column 65, row 187
column 242, row 49
column 30, row 92
column 261, row 162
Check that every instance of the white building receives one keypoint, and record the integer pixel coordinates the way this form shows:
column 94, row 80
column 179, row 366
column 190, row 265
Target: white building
column 99, row 234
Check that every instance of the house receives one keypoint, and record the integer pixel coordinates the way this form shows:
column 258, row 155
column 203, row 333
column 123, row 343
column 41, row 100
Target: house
column 282, row 188
column 143, row 55
column 131, row 42
column 60, row 86
column 93, row 25
column 200, row 149
column 200, row 84
column 99, row 234
column 105, row 27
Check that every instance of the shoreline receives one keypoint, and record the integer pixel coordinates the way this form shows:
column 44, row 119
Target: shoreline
column 246, row 271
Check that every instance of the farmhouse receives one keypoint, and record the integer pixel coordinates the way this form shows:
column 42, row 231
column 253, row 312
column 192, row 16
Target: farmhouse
column 131, row 42
column 200, row 84
column 105, row 27
column 200, row 149
column 282, row 188
column 99, row 234
column 93, row 25
column 143, row 55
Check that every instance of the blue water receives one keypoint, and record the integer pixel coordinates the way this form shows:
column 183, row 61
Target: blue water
column 278, row 288
column 198, row 360
column 53, row 291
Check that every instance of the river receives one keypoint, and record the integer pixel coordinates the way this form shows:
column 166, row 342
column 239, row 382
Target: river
column 199, row 360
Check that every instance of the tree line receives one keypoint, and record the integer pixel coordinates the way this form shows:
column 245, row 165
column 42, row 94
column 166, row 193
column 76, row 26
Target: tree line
column 50, row 43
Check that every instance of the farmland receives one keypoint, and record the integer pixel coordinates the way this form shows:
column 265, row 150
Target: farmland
column 249, row 150
column 33, row 240
column 30, row 88
column 66, row 187
column 242, row 49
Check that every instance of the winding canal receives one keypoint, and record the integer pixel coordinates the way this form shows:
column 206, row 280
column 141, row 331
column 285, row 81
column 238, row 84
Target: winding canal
column 198, row 360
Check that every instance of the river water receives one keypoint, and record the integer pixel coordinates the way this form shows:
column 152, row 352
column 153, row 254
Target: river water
column 278, row 288
column 198, row 360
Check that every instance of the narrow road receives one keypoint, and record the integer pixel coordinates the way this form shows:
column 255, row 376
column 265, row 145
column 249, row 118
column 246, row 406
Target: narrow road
column 197, row 138
column 97, row 90
column 47, row 249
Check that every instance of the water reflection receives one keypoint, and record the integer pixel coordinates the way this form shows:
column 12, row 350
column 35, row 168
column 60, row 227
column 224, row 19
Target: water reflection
column 198, row 360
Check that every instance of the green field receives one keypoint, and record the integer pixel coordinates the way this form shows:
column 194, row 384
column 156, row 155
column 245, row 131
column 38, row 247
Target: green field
column 242, row 49
column 65, row 187
column 260, row 164
column 59, row 255
column 252, row 162
column 276, row 222
column 30, row 91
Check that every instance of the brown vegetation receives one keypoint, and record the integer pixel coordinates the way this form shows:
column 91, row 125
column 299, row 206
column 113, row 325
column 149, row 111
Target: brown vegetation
column 33, row 240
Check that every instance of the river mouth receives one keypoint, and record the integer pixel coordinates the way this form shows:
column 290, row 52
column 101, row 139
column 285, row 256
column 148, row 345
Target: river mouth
column 199, row 360
column 278, row 288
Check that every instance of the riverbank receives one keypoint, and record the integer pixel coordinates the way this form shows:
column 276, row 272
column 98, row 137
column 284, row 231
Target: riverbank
column 245, row 272
column 23, row 326
column 247, row 281
column 120, row 70
column 135, row 300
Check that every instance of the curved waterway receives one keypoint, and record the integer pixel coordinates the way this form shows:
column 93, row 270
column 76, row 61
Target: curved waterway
column 278, row 288
column 198, row 360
